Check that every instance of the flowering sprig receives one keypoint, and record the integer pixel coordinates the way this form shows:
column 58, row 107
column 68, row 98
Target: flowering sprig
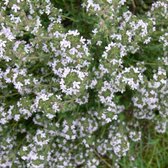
column 67, row 101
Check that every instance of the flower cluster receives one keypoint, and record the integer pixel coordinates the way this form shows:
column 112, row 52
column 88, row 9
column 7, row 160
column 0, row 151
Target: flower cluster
column 63, row 104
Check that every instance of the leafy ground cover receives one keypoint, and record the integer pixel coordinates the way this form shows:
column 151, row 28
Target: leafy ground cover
column 83, row 83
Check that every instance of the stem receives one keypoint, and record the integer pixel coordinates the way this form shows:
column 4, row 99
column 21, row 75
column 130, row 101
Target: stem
column 14, row 94
column 134, row 6
column 66, row 17
column 102, row 159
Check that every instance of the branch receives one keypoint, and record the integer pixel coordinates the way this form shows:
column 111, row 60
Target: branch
column 102, row 159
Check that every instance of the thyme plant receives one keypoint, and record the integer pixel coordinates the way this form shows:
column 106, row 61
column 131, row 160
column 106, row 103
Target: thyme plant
column 68, row 99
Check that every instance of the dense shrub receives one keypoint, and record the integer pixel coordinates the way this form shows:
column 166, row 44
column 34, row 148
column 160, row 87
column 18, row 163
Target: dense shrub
column 70, row 98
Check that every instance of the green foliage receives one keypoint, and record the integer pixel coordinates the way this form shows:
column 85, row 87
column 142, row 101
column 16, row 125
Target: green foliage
column 84, row 83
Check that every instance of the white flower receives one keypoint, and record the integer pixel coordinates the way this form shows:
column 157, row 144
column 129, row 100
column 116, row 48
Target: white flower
column 17, row 117
column 15, row 8
column 55, row 107
column 76, row 85
column 65, row 44
column 95, row 31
